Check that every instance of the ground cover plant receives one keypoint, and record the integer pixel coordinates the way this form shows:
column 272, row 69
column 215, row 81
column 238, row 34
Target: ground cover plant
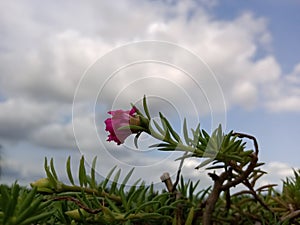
column 111, row 201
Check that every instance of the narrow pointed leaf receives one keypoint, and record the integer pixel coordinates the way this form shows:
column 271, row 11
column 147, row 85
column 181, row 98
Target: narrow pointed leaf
column 190, row 217
column 82, row 173
column 53, row 169
column 132, row 127
column 204, row 163
column 115, row 182
column 112, row 205
column 124, row 182
column 108, row 177
column 146, row 107
column 184, row 157
column 161, row 145
column 69, row 171
column 185, row 132
column 136, row 139
column 147, row 204
column 161, row 131
column 93, row 171
column 172, row 131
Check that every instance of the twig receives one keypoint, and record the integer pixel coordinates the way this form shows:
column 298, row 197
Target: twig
column 213, row 197
column 292, row 215
column 77, row 202
column 179, row 209
column 219, row 180
column 256, row 197
column 179, row 171
column 242, row 135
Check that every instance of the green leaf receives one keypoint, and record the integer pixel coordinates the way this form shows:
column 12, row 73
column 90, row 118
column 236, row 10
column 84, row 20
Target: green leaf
column 135, row 194
column 115, row 182
column 166, row 207
column 37, row 218
column 27, row 200
column 93, row 170
column 215, row 167
column 206, row 135
column 14, row 198
column 185, row 133
column 136, row 137
column 226, row 138
column 234, row 157
column 146, row 107
column 147, row 204
column 52, row 180
column 205, row 192
column 108, row 177
column 132, row 127
column 167, row 126
column 219, row 134
column 246, row 153
column 171, row 148
column 82, row 173
column 112, row 205
column 53, row 169
column 190, row 217
column 163, row 121
column 185, row 156
column 69, row 172
column 161, row 131
column 124, row 199
column 231, row 146
column 4, row 197
column 28, row 211
column 167, row 137
column 159, row 145
column 204, row 163
column 124, row 182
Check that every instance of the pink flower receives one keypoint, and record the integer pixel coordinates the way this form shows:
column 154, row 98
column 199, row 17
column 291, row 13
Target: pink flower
column 119, row 119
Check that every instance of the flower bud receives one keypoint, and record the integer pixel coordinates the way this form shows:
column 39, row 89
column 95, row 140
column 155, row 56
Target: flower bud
column 42, row 185
column 75, row 214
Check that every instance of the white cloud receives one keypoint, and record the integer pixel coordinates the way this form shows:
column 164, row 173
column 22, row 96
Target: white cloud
column 54, row 64
column 276, row 173
column 55, row 136
column 19, row 117
column 245, row 94
column 44, row 54
column 284, row 94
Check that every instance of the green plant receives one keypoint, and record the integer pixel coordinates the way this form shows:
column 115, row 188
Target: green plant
column 287, row 204
column 21, row 206
column 224, row 152
column 112, row 201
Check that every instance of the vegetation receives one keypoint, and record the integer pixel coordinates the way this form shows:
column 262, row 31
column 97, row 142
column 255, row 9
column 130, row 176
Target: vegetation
column 50, row 201
column 111, row 201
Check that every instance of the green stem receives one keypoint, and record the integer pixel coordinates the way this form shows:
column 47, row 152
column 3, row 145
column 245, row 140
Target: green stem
column 179, row 146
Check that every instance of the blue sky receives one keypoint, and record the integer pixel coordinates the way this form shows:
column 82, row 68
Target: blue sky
column 282, row 18
column 248, row 79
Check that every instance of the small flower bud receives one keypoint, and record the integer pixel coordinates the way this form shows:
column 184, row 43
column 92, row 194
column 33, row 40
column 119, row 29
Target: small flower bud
column 42, row 185
column 75, row 214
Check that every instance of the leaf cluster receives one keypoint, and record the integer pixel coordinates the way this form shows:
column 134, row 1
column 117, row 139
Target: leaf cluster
column 112, row 201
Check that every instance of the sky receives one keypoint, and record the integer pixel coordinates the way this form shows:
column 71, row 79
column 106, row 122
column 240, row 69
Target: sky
column 64, row 65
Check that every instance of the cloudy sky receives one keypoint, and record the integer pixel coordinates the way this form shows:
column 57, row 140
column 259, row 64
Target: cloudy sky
column 63, row 65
